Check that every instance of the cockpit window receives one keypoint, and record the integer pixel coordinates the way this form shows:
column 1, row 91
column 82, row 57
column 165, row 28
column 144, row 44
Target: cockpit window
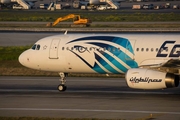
column 36, row 47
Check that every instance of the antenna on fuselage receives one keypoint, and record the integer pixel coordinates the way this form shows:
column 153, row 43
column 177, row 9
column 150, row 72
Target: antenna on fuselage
column 65, row 33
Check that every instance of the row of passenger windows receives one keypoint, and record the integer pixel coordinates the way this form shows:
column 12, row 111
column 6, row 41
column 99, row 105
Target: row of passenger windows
column 80, row 48
column 91, row 48
column 147, row 49
column 111, row 49
column 152, row 49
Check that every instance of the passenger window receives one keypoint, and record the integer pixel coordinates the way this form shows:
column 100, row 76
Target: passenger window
column 152, row 49
column 114, row 49
column 137, row 49
column 156, row 49
column 91, row 48
column 147, row 49
column 80, row 48
column 142, row 49
column 174, row 50
column 166, row 49
column 162, row 49
column 109, row 49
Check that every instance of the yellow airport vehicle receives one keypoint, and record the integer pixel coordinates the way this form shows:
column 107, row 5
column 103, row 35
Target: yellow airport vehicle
column 77, row 21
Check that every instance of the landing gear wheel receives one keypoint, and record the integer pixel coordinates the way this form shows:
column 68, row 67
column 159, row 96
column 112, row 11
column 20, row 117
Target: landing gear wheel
column 62, row 87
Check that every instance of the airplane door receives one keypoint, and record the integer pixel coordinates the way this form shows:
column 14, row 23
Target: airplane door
column 53, row 51
column 129, row 54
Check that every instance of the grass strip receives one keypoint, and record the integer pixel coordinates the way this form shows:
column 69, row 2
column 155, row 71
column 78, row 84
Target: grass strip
column 112, row 16
column 11, row 52
column 46, row 118
column 94, row 26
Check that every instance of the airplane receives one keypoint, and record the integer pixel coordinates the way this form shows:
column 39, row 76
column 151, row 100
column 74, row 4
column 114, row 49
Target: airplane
column 149, row 61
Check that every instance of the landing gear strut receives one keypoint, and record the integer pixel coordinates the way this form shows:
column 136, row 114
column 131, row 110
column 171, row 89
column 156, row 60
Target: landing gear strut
column 62, row 86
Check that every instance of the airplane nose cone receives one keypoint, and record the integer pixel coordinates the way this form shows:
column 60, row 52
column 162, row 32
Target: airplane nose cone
column 21, row 59
column 24, row 58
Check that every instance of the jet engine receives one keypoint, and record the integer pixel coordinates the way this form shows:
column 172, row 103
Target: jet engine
column 5, row 1
column 150, row 79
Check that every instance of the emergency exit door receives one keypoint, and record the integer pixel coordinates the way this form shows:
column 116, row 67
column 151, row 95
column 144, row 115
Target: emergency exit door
column 129, row 53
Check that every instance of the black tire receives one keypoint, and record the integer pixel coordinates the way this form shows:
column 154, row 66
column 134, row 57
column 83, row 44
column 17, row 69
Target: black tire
column 62, row 88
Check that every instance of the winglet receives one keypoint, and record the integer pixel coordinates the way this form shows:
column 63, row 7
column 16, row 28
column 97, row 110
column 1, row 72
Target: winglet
column 65, row 33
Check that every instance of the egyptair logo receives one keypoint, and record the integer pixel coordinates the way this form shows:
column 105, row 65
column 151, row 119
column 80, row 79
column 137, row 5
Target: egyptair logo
column 174, row 51
column 104, row 54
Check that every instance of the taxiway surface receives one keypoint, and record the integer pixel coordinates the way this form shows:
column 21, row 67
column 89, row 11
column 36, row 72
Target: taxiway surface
column 29, row 38
column 85, row 98
column 21, row 39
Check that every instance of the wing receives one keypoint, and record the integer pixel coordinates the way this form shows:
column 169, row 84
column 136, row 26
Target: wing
column 172, row 63
column 171, row 66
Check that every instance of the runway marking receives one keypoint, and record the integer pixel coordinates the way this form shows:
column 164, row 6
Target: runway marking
column 69, row 79
column 90, row 91
column 89, row 110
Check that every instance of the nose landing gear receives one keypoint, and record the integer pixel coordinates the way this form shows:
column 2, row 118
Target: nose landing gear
column 62, row 87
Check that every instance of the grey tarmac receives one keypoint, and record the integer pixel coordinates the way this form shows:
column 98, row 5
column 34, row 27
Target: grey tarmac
column 86, row 97
column 21, row 39
column 29, row 38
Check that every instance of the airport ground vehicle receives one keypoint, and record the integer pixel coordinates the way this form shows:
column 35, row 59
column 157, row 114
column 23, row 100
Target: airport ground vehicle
column 148, row 6
column 77, row 21
column 102, row 7
column 17, row 6
column 136, row 7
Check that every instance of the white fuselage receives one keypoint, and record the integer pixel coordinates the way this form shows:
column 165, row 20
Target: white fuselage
column 101, row 53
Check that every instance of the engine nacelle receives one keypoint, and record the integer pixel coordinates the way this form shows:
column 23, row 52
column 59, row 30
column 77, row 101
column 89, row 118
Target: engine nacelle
column 150, row 79
column 5, row 1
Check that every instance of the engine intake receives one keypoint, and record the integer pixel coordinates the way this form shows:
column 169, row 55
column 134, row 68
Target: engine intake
column 150, row 79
